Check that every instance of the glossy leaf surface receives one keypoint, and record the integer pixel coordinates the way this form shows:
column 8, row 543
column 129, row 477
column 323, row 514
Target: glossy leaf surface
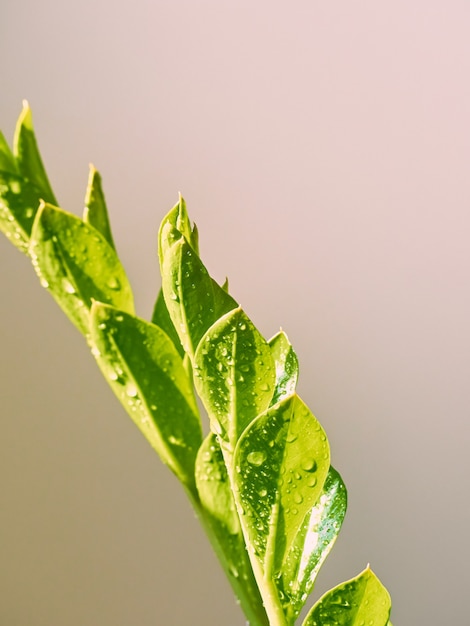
column 76, row 263
column 234, row 375
column 287, row 367
column 281, row 461
column 358, row 602
column 96, row 212
column 312, row 544
column 216, row 496
column 146, row 373
column 27, row 155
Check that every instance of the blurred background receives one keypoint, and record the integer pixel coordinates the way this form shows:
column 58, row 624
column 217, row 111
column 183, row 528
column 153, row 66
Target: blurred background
column 323, row 149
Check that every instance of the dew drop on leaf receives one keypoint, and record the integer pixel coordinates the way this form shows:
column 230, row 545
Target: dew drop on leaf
column 256, row 458
column 131, row 390
column 67, row 286
column 309, row 465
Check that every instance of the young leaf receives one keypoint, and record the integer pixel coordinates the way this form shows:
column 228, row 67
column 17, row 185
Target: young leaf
column 146, row 373
column 312, row 544
column 76, row 263
column 234, row 375
column 95, row 212
column 287, row 367
column 362, row 600
column 194, row 300
column 19, row 203
column 216, row 496
column 281, row 460
column 27, row 155
column 177, row 219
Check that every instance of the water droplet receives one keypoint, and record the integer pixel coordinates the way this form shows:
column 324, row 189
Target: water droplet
column 298, row 499
column 113, row 283
column 309, row 465
column 44, row 283
column 264, row 387
column 263, row 493
column 95, row 352
column 29, row 213
column 256, row 458
column 312, row 482
column 131, row 390
column 67, row 286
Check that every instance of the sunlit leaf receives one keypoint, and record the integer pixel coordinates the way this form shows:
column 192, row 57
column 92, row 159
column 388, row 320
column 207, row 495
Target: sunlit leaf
column 28, row 158
column 357, row 602
column 96, row 212
column 287, row 366
column 281, row 461
column 312, row 544
column 234, row 375
column 146, row 373
column 194, row 300
column 76, row 263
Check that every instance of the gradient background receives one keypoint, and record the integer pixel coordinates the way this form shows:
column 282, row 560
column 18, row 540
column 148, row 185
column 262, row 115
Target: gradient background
column 324, row 150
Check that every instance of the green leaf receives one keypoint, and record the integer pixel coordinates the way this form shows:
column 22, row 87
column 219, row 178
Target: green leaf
column 161, row 318
column 27, row 155
column 177, row 219
column 96, row 213
column 216, row 496
column 76, row 263
column 281, row 461
column 362, row 600
column 312, row 544
column 287, row 367
column 19, row 203
column 146, row 373
column 234, row 375
column 7, row 160
column 194, row 300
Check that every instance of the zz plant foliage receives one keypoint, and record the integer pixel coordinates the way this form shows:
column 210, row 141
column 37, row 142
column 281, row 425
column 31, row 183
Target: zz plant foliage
column 261, row 482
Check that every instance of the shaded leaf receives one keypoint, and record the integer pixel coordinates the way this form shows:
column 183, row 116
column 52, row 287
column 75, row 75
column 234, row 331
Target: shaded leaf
column 19, row 203
column 96, row 212
column 312, row 544
column 362, row 600
column 234, row 375
column 146, row 373
column 216, row 496
column 7, row 160
column 161, row 318
column 287, row 366
column 27, row 155
column 281, row 460
column 76, row 263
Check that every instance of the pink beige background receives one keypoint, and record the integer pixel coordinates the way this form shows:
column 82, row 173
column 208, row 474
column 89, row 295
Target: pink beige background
column 324, row 152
